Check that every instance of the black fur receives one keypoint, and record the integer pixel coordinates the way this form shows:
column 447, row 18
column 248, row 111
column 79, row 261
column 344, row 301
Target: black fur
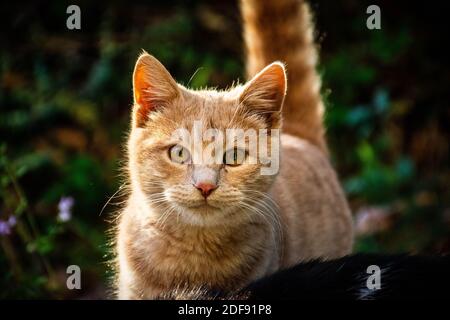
column 402, row 277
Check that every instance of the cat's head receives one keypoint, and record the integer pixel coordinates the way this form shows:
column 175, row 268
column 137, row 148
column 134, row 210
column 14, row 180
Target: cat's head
column 186, row 177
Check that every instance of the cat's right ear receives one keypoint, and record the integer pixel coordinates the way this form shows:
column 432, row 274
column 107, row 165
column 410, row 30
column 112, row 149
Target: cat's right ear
column 153, row 88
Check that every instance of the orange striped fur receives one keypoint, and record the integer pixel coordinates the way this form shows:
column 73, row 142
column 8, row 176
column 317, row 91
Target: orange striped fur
column 283, row 30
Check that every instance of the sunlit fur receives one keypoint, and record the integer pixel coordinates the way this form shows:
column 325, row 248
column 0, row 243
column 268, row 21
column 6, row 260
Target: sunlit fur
column 169, row 237
column 283, row 30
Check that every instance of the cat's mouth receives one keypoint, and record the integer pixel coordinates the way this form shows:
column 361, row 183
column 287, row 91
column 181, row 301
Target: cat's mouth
column 204, row 204
column 206, row 212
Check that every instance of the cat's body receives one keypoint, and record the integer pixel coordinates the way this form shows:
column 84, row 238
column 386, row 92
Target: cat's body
column 222, row 225
column 314, row 217
column 313, row 210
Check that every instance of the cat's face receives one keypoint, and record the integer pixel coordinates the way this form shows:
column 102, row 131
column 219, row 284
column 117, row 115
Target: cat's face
column 207, row 181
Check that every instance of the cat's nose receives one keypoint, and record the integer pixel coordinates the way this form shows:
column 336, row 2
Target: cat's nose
column 205, row 188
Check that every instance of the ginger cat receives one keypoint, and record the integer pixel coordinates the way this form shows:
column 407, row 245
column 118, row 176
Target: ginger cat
column 221, row 224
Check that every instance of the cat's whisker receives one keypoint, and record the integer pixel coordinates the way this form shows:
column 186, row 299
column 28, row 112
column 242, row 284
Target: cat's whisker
column 269, row 213
column 161, row 217
column 263, row 194
column 167, row 215
column 273, row 209
column 193, row 75
column 120, row 189
column 261, row 214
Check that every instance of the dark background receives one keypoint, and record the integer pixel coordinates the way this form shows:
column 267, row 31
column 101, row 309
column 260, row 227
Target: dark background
column 65, row 99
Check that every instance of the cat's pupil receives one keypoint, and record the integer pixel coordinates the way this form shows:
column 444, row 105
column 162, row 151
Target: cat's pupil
column 233, row 157
column 179, row 154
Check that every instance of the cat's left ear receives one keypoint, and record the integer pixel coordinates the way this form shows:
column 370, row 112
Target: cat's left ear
column 153, row 88
column 264, row 94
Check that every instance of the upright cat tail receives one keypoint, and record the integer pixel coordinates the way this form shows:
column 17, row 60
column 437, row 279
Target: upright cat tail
column 283, row 30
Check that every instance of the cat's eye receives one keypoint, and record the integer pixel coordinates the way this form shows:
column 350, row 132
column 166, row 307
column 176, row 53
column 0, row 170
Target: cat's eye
column 234, row 157
column 179, row 154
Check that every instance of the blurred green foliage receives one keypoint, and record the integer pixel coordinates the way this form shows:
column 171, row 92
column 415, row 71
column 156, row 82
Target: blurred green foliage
column 64, row 111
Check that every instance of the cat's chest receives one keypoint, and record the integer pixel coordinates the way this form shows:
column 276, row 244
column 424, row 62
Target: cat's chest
column 170, row 260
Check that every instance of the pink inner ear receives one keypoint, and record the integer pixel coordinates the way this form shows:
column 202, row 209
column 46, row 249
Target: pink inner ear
column 141, row 97
column 153, row 88
column 141, row 87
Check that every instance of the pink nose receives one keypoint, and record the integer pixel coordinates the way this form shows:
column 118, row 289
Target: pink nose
column 205, row 188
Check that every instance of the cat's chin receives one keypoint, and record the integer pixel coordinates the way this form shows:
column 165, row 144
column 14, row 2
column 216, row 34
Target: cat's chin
column 205, row 214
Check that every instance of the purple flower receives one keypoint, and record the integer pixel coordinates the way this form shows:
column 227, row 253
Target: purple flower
column 5, row 229
column 12, row 221
column 371, row 220
column 64, row 216
column 65, row 208
column 65, row 204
